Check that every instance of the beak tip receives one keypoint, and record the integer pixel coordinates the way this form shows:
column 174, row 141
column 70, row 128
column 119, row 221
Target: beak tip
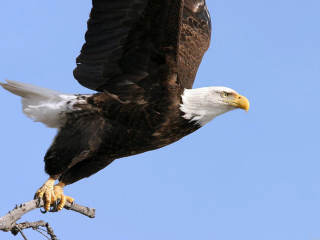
column 244, row 103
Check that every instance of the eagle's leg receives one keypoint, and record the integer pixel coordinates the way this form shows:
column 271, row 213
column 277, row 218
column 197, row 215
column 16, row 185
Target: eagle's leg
column 47, row 192
column 61, row 198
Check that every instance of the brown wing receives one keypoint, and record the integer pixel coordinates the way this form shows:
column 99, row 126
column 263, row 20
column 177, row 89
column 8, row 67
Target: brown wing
column 129, row 42
column 194, row 39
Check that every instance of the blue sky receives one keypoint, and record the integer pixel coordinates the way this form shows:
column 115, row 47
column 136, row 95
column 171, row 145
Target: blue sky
column 242, row 176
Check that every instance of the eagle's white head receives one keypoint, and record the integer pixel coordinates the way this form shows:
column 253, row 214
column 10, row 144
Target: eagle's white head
column 204, row 104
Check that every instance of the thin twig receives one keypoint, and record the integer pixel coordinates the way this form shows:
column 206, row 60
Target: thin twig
column 24, row 236
column 50, row 232
column 38, row 230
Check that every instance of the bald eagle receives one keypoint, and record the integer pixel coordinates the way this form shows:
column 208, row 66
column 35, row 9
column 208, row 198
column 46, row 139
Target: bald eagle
column 141, row 56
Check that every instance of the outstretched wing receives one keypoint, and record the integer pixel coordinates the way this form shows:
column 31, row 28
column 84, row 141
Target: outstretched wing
column 194, row 41
column 129, row 42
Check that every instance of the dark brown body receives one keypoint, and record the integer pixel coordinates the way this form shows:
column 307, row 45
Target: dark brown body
column 108, row 129
column 140, row 55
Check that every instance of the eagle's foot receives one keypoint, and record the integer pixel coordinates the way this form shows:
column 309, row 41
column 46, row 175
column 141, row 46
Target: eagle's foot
column 46, row 192
column 54, row 199
column 61, row 199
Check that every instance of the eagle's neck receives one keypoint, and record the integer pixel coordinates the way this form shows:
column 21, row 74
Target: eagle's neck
column 199, row 106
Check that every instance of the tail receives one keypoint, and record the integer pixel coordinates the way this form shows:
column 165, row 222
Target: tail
column 41, row 104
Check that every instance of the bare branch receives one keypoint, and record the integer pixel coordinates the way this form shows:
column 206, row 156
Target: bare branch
column 8, row 221
column 34, row 225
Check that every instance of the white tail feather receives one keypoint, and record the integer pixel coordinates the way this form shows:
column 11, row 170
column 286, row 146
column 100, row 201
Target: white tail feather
column 41, row 104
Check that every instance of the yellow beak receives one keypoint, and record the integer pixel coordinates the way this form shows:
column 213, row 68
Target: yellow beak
column 240, row 102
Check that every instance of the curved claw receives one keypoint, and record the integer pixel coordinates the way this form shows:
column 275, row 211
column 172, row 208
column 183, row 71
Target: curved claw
column 38, row 201
column 38, row 198
column 54, row 208
column 54, row 205
column 58, row 201
column 68, row 208
column 43, row 211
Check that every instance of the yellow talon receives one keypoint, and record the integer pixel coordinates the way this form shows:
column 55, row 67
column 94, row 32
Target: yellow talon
column 59, row 194
column 46, row 191
column 51, row 193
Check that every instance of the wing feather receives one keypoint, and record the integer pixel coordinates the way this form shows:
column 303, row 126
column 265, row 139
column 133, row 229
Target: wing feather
column 129, row 42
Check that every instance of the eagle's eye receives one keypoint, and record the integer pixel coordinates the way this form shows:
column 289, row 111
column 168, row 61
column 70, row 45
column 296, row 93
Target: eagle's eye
column 224, row 94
